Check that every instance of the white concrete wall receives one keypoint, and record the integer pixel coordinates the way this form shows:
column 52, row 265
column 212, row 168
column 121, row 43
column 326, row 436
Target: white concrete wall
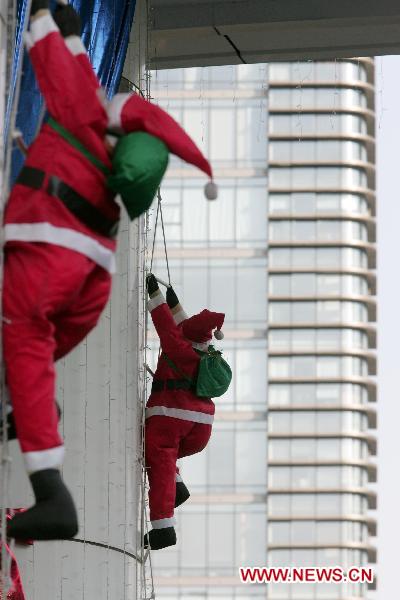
column 99, row 390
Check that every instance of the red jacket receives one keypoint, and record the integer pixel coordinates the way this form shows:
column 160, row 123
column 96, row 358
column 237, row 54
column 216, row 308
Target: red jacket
column 71, row 93
column 181, row 404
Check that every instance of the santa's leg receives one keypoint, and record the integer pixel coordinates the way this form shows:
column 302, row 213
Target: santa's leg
column 28, row 338
column 195, row 441
column 74, row 323
column 162, row 436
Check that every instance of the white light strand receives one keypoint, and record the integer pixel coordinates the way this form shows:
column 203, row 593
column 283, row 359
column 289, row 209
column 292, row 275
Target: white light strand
column 5, row 582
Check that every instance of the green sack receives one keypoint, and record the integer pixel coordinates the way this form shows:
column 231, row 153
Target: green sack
column 214, row 376
column 139, row 163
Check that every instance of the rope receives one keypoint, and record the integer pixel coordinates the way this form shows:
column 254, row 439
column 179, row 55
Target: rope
column 159, row 212
column 163, row 231
column 12, row 109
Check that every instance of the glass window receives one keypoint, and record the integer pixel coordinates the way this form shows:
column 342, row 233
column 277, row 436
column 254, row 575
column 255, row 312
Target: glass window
column 279, row 533
column 303, row 312
column 303, row 339
column 279, row 477
column 279, row 367
column 329, row 230
column 222, row 131
column 328, row 366
column 278, row 504
column 303, row 366
column 279, row 285
column 279, row 312
column 303, row 230
column 251, row 214
column 279, row 339
column 279, row 203
column 280, row 230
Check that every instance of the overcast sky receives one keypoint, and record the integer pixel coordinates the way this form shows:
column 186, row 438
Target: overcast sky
column 388, row 215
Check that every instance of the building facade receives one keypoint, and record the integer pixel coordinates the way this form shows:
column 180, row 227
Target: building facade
column 321, row 340
column 217, row 259
column 306, row 314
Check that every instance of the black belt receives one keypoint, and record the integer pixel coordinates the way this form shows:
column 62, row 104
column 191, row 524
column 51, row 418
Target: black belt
column 81, row 208
column 159, row 385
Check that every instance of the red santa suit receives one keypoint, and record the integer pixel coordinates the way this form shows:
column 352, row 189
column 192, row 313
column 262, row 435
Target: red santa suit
column 59, row 228
column 178, row 423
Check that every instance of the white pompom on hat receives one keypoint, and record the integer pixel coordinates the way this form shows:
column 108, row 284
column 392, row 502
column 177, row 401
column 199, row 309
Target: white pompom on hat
column 218, row 334
column 211, row 190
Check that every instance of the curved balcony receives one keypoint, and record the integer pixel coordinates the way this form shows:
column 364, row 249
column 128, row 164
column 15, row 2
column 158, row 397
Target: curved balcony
column 354, row 435
column 370, row 550
column 370, row 357
column 371, row 413
column 371, row 468
column 369, row 248
column 366, row 492
column 353, row 518
column 344, row 218
column 364, row 381
column 365, row 273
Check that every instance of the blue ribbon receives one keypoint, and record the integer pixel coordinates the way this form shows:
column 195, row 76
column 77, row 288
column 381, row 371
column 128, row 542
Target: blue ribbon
column 106, row 30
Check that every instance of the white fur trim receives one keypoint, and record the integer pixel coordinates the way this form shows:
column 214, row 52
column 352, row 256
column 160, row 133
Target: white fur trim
column 42, row 27
column 44, row 459
column 180, row 316
column 114, row 110
column 28, row 40
column 61, row 236
column 178, row 477
column 155, row 301
column 202, row 346
column 75, row 45
column 179, row 413
column 163, row 523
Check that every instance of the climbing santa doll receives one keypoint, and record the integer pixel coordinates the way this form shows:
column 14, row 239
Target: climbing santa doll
column 60, row 230
column 180, row 411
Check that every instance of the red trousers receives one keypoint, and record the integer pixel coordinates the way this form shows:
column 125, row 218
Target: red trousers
column 166, row 440
column 52, row 298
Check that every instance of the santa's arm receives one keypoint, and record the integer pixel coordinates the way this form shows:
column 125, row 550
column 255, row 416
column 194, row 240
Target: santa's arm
column 77, row 49
column 69, row 23
column 171, row 337
column 69, row 97
column 177, row 311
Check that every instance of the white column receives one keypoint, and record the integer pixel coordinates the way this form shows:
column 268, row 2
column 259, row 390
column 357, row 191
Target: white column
column 98, row 390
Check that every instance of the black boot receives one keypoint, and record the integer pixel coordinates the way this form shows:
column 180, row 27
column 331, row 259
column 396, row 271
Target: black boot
column 182, row 493
column 160, row 538
column 53, row 517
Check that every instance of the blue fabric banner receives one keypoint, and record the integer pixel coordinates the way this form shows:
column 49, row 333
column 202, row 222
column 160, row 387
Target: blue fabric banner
column 106, row 29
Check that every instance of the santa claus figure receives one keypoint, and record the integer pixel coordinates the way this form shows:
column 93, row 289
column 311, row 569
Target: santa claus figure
column 178, row 421
column 60, row 226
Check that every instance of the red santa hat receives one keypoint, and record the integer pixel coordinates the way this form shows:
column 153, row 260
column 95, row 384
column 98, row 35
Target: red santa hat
column 137, row 114
column 199, row 328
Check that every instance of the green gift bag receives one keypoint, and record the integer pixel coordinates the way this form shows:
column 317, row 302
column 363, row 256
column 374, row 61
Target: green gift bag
column 139, row 163
column 214, row 375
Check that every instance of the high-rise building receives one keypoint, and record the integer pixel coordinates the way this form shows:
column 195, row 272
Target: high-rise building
column 311, row 323
column 218, row 259
column 321, row 340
